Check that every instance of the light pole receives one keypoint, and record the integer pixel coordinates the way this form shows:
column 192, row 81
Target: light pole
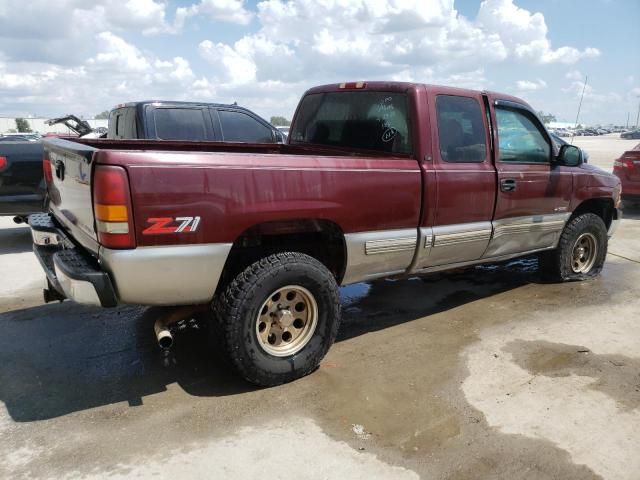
column 638, row 115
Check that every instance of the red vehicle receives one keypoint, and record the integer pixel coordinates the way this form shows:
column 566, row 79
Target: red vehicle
column 627, row 169
column 377, row 180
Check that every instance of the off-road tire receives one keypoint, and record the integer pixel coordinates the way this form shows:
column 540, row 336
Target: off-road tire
column 236, row 310
column 555, row 265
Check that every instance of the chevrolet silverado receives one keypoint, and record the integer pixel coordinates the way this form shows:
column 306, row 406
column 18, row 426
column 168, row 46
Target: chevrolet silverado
column 377, row 179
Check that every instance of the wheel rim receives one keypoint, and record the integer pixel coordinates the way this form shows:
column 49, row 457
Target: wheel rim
column 585, row 251
column 286, row 321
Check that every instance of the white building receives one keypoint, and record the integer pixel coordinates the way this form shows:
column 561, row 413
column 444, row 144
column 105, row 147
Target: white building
column 38, row 125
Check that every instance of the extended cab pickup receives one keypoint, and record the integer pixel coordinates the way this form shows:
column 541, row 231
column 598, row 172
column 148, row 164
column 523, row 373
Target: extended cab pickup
column 377, row 180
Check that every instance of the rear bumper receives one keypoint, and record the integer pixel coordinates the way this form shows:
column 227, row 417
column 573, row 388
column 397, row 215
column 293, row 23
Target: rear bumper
column 166, row 275
column 70, row 272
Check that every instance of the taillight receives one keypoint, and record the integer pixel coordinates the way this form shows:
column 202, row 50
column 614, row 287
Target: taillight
column 112, row 207
column 46, row 168
column 3, row 162
column 624, row 163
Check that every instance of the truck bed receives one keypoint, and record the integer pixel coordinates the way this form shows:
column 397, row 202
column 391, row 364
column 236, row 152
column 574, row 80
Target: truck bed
column 233, row 187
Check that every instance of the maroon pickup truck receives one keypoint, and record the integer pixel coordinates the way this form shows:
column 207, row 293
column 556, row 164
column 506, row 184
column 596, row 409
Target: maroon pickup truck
column 377, row 179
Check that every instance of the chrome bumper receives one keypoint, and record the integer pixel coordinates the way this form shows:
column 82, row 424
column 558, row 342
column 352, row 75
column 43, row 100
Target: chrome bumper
column 71, row 273
column 158, row 275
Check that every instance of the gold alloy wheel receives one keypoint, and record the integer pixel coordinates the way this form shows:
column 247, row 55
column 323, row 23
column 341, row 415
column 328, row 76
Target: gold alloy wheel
column 286, row 321
column 585, row 251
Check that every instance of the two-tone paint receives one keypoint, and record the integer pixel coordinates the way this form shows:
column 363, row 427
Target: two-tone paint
column 398, row 214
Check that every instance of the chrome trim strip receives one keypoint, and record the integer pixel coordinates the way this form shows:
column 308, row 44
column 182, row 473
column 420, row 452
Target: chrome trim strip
column 451, row 243
column 376, row 247
column 520, row 228
column 150, row 275
column 378, row 254
column 518, row 234
column 443, row 240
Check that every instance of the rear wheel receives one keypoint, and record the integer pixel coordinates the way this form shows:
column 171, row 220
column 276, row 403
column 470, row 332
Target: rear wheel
column 277, row 319
column 581, row 250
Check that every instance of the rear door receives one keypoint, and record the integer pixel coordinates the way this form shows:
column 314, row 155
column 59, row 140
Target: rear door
column 533, row 192
column 461, row 200
column 180, row 122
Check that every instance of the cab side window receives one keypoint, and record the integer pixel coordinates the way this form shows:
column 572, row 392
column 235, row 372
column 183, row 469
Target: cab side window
column 520, row 139
column 240, row 127
column 461, row 130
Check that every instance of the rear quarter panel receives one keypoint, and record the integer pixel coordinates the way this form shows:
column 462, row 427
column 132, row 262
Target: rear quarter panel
column 233, row 192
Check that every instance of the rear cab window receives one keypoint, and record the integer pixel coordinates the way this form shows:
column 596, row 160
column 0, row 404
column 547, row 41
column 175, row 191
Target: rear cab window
column 355, row 120
column 461, row 131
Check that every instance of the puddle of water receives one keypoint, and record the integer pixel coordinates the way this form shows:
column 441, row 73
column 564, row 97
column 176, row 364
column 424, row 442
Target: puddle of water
column 354, row 293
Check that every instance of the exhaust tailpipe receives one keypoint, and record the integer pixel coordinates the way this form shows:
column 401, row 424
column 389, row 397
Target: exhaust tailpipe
column 163, row 335
column 168, row 317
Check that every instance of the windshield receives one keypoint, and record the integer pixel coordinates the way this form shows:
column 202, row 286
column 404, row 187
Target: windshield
column 360, row 120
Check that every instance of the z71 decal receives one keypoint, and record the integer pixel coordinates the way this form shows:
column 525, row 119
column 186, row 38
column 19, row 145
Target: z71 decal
column 165, row 225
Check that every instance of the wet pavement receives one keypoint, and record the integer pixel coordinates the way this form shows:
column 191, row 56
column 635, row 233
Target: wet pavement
column 487, row 372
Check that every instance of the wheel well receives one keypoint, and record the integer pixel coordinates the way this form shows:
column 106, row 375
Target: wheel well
column 320, row 239
column 603, row 207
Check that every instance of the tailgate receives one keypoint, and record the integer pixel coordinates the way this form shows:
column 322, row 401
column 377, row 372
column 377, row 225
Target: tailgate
column 70, row 191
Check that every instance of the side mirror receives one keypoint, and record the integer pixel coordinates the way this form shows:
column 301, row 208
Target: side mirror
column 570, row 155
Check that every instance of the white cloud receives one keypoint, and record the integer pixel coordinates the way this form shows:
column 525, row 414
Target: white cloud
column 117, row 72
column 525, row 34
column 114, row 54
column 529, row 85
column 232, row 11
column 77, row 55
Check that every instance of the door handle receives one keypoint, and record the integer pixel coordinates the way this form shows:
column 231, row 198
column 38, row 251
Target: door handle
column 508, row 185
column 59, row 167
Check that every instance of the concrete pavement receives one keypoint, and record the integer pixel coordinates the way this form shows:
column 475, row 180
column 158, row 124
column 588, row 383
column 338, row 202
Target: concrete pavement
column 483, row 373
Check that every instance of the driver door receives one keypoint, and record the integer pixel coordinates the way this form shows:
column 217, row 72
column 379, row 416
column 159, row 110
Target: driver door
column 533, row 195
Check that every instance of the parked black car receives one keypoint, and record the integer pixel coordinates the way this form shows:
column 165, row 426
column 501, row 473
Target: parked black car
column 632, row 134
column 22, row 184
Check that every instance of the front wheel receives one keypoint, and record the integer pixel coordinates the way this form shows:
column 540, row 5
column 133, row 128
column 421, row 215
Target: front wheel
column 277, row 319
column 581, row 250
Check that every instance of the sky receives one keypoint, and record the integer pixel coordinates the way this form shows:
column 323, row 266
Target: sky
column 84, row 57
